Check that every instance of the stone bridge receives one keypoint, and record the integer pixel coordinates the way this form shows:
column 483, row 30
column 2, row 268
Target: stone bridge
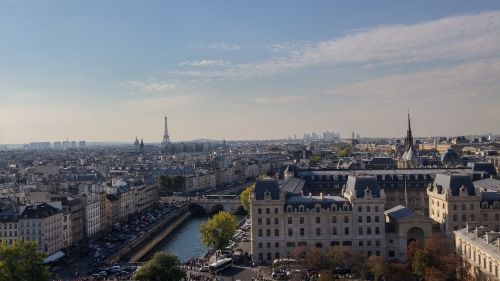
column 215, row 203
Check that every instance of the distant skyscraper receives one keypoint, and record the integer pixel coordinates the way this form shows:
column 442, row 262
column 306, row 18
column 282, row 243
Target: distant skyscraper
column 166, row 137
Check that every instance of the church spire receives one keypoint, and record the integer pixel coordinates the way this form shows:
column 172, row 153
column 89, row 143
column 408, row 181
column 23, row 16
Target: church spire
column 409, row 136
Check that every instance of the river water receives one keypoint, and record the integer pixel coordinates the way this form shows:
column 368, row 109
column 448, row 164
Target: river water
column 185, row 241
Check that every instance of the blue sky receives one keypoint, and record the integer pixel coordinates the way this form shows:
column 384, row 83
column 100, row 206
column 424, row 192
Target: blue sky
column 110, row 70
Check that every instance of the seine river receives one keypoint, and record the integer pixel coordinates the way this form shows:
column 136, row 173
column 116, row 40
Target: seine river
column 185, row 241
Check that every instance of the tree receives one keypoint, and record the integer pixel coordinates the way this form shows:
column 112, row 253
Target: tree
column 344, row 152
column 163, row 266
column 422, row 260
column 245, row 197
column 178, row 182
column 378, row 267
column 314, row 160
column 218, row 230
column 20, row 261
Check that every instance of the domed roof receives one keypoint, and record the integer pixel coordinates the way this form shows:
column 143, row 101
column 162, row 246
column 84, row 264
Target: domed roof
column 450, row 156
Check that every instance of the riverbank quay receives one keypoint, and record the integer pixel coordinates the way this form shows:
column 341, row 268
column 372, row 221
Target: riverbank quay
column 125, row 253
column 156, row 238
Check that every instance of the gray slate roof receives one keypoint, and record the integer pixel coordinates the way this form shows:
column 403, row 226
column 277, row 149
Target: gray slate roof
column 358, row 185
column 399, row 212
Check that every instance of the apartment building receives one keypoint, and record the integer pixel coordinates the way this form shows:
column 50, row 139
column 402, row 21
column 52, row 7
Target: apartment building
column 42, row 223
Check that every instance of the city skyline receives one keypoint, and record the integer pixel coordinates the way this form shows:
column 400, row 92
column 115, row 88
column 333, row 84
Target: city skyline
column 110, row 71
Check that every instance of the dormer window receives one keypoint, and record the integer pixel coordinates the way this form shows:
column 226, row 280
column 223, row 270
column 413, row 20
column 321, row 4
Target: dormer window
column 289, row 209
column 484, row 205
column 301, row 208
column 267, row 195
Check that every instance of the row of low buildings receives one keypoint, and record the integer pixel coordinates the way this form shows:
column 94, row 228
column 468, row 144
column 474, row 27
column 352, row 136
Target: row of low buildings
column 64, row 220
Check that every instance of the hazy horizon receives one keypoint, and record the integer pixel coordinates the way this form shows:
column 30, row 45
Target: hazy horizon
column 108, row 71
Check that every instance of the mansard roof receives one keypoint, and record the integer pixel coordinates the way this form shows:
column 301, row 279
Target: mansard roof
column 454, row 182
column 310, row 202
column 262, row 186
column 36, row 211
column 358, row 185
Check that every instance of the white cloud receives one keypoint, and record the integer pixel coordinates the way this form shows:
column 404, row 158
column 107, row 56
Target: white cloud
column 147, row 87
column 161, row 103
column 453, row 38
column 207, row 62
column 463, row 81
column 219, row 46
column 279, row 99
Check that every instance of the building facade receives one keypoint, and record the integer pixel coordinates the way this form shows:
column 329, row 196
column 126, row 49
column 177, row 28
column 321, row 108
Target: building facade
column 42, row 223
column 480, row 252
column 283, row 220
column 454, row 201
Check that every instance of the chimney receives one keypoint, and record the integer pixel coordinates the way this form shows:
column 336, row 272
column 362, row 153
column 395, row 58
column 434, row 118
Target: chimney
column 470, row 226
column 310, row 195
column 480, row 230
column 490, row 236
column 321, row 195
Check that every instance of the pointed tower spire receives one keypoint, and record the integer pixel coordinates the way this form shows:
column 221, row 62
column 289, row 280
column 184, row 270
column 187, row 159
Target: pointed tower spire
column 409, row 136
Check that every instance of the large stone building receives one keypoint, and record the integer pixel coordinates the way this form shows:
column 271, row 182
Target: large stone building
column 480, row 252
column 454, row 200
column 42, row 223
column 284, row 219
column 402, row 186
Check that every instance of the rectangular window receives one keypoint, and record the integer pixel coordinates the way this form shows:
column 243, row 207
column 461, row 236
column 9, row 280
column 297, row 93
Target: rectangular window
column 377, row 243
column 276, row 210
column 289, row 220
column 301, row 220
column 290, row 244
column 360, row 243
column 259, row 232
column 301, row 232
column 376, row 208
column 368, row 230
column 318, row 231
column 259, row 221
column 369, row 243
column 268, row 232
column 268, row 211
column 277, row 245
column 368, row 209
column 268, row 221
column 346, row 219
column 359, row 209
column 318, row 220
column 276, row 232
column 360, row 219
column 368, row 219
column 346, row 231
column 259, row 211
column 276, row 220
column 377, row 230
column 290, row 232
column 334, row 219
column 334, row 230
column 376, row 219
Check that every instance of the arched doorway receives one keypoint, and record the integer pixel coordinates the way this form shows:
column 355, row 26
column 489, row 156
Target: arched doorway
column 415, row 234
